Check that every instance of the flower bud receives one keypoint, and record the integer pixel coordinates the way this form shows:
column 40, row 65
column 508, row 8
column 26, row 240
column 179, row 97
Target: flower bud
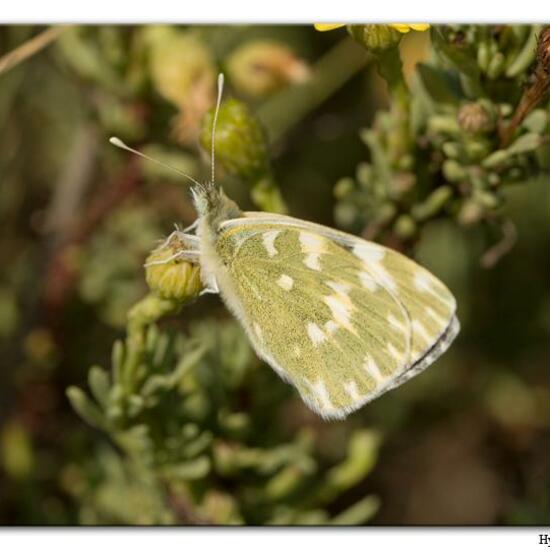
column 170, row 276
column 375, row 37
column 241, row 147
column 476, row 118
column 261, row 67
column 183, row 72
column 405, row 226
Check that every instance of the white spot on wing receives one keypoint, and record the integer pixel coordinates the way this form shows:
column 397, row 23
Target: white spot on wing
column 312, row 245
column 422, row 282
column 367, row 281
column 373, row 370
column 285, row 282
column 330, row 326
column 321, row 393
column 369, row 253
column 351, row 389
column 312, row 261
column 341, row 307
column 315, row 334
column 269, row 242
column 344, row 288
column 384, row 277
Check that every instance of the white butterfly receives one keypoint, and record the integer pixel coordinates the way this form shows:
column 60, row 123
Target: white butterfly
column 342, row 319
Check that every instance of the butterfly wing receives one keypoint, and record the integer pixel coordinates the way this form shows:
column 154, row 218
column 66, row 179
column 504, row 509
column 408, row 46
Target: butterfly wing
column 340, row 318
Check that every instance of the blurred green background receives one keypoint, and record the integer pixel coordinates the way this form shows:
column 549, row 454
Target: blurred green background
column 468, row 442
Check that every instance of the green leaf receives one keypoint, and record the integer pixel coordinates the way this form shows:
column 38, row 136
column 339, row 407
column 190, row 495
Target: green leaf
column 466, row 65
column 85, row 407
column 198, row 445
column 189, row 470
column 438, row 84
column 527, row 54
column 525, row 144
column 359, row 513
column 99, row 383
column 361, row 458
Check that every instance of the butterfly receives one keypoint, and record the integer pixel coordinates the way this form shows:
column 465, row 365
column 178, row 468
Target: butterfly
column 342, row 319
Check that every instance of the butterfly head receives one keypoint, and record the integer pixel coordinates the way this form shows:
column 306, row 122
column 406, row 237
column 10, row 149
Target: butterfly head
column 213, row 205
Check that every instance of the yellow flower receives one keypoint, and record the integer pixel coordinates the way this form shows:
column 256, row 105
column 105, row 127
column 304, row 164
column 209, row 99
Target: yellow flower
column 413, row 27
column 322, row 27
column 401, row 27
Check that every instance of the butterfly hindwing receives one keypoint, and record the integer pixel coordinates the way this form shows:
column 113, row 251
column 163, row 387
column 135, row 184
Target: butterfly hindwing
column 343, row 322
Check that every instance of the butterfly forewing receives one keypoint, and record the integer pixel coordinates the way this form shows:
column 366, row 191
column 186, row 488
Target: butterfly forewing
column 342, row 322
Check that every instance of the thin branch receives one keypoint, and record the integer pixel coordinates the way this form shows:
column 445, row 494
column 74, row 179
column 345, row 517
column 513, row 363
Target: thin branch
column 30, row 47
column 529, row 100
column 509, row 236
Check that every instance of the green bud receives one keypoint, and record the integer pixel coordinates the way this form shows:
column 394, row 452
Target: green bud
column 476, row 149
column 536, row 121
column 453, row 150
column 364, row 174
column 405, row 226
column 487, row 199
column 16, row 451
column 170, row 277
column 505, row 109
column 496, row 159
column 345, row 214
column 241, row 145
column 344, row 188
column 496, row 66
column 375, row 38
column 284, row 482
column 433, row 204
column 445, row 124
column 385, row 213
column 483, row 55
column 453, row 171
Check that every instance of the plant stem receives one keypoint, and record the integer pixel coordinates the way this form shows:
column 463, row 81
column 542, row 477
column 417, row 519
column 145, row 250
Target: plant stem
column 329, row 74
column 30, row 47
column 531, row 97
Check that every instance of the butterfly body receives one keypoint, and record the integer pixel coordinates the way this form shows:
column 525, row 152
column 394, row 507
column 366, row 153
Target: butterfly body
column 342, row 319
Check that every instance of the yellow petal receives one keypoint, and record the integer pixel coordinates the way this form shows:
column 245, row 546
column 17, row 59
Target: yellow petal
column 421, row 27
column 405, row 28
column 322, row 27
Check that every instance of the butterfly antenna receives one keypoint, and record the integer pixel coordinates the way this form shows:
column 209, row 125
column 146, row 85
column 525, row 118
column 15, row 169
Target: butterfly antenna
column 119, row 143
column 215, row 121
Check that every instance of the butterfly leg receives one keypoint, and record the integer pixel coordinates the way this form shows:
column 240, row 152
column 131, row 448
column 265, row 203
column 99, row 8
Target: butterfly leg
column 191, row 227
column 188, row 255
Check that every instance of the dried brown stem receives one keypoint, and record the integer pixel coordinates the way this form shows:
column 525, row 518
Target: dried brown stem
column 492, row 256
column 531, row 97
column 61, row 273
column 30, row 47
